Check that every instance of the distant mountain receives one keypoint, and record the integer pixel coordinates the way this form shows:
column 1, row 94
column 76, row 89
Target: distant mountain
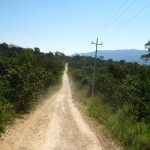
column 129, row 55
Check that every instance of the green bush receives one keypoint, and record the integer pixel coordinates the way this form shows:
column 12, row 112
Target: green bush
column 6, row 113
column 25, row 74
column 121, row 100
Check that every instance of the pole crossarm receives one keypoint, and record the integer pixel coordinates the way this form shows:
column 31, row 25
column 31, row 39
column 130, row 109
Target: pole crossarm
column 93, row 86
column 96, row 43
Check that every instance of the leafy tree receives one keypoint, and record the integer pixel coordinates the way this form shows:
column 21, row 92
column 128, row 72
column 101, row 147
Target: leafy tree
column 146, row 57
column 36, row 50
column 26, row 56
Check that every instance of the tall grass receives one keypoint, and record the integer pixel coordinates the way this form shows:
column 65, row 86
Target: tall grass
column 121, row 125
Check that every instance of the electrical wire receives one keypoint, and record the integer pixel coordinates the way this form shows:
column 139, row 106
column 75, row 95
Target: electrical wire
column 116, row 19
column 112, row 18
column 132, row 18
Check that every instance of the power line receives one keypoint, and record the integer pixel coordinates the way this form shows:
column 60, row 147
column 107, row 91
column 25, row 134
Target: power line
column 111, row 19
column 132, row 18
column 117, row 18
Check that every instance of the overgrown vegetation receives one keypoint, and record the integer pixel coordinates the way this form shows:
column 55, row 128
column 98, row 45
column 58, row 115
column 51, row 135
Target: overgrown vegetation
column 121, row 101
column 25, row 74
column 122, row 91
column 147, row 56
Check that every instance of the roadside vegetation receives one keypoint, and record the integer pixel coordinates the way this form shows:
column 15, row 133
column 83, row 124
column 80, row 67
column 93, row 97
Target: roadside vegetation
column 25, row 75
column 122, row 97
column 121, row 101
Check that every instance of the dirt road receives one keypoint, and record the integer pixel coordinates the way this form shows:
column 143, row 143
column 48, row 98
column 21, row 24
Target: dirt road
column 57, row 124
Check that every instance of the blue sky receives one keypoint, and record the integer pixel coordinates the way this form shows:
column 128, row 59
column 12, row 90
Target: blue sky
column 69, row 26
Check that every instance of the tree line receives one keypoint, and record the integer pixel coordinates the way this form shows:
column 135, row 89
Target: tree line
column 25, row 74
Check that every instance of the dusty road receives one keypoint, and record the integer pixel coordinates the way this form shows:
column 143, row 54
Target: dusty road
column 57, row 124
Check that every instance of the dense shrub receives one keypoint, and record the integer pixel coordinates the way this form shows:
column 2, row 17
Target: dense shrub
column 25, row 74
column 121, row 100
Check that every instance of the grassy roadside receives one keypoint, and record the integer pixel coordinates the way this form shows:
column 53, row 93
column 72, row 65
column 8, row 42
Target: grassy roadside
column 120, row 126
column 93, row 107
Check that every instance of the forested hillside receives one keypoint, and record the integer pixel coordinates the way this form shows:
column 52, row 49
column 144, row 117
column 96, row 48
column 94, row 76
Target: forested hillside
column 121, row 100
column 129, row 55
column 25, row 74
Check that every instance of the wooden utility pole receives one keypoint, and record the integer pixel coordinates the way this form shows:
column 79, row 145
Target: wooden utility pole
column 93, row 85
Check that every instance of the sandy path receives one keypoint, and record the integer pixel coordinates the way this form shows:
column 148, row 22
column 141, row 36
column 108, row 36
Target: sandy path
column 55, row 125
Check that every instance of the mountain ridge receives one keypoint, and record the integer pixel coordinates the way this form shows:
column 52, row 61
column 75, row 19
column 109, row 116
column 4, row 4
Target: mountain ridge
column 129, row 55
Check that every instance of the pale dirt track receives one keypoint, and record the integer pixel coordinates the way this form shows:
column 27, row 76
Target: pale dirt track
column 57, row 124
